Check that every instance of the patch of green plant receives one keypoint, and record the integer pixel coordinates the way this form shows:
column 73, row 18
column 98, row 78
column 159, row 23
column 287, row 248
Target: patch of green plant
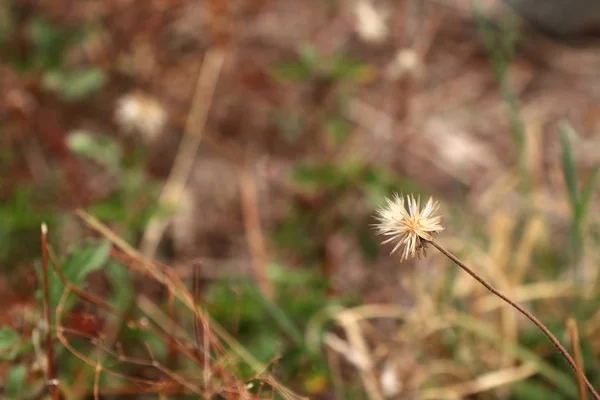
column 531, row 390
column 74, row 84
column 16, row 384
column 46, row 55
column 308, row 65
column 131, row 204
column 579, row 199
column 333, row 182
column 322, row 73
column 500, row 41
column 127, row 207
column 21, row 220
column 274, row 329
column 75, row 266
column 10, row 343
column 337, row 128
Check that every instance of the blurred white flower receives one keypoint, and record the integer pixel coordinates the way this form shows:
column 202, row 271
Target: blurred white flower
column 184, row 221
column 406, row 62
column 403, row 221
column 139, row 112
column 389, row 380
column 370, row 22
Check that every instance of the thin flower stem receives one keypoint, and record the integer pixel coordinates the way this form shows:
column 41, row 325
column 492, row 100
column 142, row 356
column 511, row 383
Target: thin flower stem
column 523, row 311
column 52, row 383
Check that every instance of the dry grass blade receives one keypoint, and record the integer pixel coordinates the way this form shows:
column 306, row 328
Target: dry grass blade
column 480, row 384
column 254, row 234
column 194, row 126
column 350, row 322
column 202, row 325
column 573, row 332
column 168, row 277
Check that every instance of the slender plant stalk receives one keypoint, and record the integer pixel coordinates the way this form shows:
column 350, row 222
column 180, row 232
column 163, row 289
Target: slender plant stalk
column 526, row 313
column 52, row 383
column 576, row 349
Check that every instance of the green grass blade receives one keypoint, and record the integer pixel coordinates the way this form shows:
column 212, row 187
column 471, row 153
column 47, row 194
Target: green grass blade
column 500, row 44
column 568, row 165
column 280, row 317
column 587, row 192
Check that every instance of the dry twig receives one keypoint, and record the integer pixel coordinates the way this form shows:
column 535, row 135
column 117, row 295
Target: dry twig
column 52, row 381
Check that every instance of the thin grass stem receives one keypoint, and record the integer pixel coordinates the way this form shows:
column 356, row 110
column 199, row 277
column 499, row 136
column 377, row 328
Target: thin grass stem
column 573, row 331
column 52, row 382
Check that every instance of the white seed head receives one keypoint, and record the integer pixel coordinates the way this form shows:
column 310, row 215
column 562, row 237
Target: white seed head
column 390, row 382
column 139, row 112
column 370, row 22
column 403, row 221
column 406, row 63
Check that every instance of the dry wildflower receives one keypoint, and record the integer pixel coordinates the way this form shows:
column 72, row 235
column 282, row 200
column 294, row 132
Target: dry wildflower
column 390, row 383
column 403, row 221
column 406, row 63
column 370, row 22
column 140, row 112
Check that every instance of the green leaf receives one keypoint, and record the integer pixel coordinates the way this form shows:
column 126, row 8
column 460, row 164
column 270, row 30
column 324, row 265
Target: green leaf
column 338, row 129
column 76, row 267
column 104, row 151
column 303, row 69
column 344, row 68
column 49, row 43
column 16, row 386
column 9, row 341
column 307, row 55
column 74, row 85
column 587, row 192
column 294, row 71
column 568, row 165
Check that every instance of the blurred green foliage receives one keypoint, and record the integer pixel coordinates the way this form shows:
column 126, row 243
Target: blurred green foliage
column 338, row 74
column 579, row 199
column 336, row 185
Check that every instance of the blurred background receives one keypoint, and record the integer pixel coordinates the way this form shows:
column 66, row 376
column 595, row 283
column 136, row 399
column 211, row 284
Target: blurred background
column 243, row 145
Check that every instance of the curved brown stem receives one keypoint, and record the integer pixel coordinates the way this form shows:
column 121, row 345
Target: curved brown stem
column 526, row 313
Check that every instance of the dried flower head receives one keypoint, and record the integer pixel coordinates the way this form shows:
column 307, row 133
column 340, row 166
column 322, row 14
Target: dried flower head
column 139, row 112
column 403, row 221
column 370, row 22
